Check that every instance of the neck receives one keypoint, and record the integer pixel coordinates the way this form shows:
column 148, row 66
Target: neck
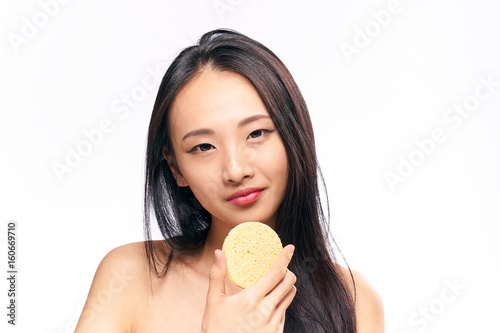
column 215, row 239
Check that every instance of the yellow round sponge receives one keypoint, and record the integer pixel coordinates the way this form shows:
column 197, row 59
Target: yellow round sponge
column 251, row 248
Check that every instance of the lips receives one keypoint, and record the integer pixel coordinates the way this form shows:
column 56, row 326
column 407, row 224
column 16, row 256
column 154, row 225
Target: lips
column 245, row 196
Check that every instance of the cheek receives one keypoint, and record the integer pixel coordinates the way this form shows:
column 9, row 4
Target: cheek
column 281, row 164
column 200, row 180
column 282, row 170
column 276, row 163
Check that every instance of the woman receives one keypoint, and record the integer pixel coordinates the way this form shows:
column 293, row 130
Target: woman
column 230, row 141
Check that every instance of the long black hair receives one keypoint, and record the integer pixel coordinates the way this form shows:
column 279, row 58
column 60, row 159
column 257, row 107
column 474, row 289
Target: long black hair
column 324, row 302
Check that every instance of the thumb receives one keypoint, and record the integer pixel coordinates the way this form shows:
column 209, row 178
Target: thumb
column 217, row 276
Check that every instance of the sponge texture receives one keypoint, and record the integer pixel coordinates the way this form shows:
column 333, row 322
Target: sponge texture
column 250, row 248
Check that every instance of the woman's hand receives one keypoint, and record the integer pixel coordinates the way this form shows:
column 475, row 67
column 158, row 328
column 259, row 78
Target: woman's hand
column 258, row 308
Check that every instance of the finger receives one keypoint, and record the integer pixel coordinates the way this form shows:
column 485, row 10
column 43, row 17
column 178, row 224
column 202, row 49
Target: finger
column 217, row 276
column 282, row 288
column 285, row 303
column 268, row 305
column 282, row 323
column 272, row 277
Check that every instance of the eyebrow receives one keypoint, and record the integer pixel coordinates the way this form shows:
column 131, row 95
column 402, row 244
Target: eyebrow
column 251, row 119
column 243, row 122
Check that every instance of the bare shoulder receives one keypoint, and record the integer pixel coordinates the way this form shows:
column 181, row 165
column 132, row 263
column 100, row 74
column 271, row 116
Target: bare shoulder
column 369, row 306
column 119, row 283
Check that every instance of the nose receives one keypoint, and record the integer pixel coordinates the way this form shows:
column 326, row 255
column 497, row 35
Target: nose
column 237, row 165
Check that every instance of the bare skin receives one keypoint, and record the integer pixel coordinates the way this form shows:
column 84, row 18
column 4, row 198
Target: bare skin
column 176, row 303
column 224, row 141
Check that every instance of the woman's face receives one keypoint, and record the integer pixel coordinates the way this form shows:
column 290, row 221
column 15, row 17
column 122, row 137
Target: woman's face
column 227, row 149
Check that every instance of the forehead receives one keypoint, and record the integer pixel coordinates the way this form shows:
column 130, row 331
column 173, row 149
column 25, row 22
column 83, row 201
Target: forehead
column 214, row 96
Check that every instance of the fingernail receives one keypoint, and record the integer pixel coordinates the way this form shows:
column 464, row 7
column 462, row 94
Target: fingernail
column 291, row 249
column 217, row 257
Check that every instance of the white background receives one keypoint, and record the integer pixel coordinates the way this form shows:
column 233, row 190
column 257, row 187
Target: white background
column 439, row 227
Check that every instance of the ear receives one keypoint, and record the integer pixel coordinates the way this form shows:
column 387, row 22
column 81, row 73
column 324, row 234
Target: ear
column 172, row 163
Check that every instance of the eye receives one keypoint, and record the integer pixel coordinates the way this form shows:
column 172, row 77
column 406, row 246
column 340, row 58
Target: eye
column 201, row 147
column 259, row 133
